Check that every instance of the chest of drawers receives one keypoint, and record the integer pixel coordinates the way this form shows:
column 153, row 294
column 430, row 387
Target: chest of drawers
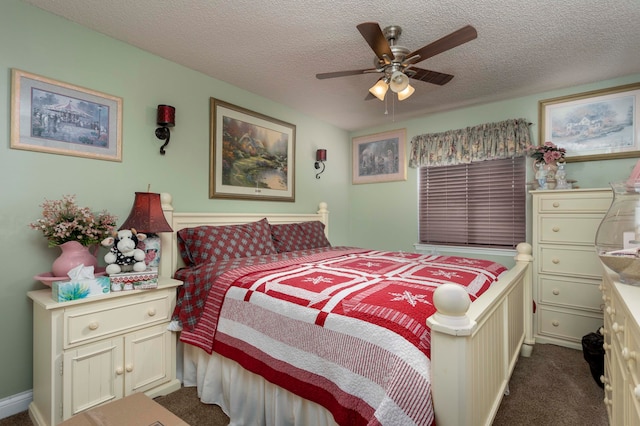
column 622, row 351
column 567, row 272
column 91, row 351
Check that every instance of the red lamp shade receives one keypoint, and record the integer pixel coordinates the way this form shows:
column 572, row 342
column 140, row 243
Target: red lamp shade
column 147, row 215
column 166, row 116
column 321, row 155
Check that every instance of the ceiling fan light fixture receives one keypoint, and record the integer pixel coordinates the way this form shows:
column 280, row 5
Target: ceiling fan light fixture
column 399, row 81
column 379, row 89
column 404, row 94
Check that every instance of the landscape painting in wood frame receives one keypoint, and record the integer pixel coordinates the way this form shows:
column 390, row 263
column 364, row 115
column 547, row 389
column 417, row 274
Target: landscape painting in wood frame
column 252, row 156
column 60, row 118
column 595, row 125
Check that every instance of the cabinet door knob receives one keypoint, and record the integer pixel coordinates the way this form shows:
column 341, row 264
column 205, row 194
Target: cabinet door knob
column 93, row 325
column 556, row 291
column 555, row 323
column 555, row 261
column 151, row 312
column 119, row 371
column 628, row 354
column 556, row 204
column 555, row 229
column 129, row 368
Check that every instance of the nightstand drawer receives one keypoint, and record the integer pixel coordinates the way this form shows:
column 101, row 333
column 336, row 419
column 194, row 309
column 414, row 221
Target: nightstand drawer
column 574, row 262
column 569, row 230
column 96, row 320
column 570, row 292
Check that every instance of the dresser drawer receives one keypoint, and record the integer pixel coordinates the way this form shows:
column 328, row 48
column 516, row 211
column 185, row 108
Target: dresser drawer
column 574, row 261
column 570, row 292
column 567, row 326
column 96, row 320
column 568, row 229
column 576, row 202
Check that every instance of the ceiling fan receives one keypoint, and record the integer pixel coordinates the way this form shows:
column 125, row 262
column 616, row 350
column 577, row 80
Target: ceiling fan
column 396, row 63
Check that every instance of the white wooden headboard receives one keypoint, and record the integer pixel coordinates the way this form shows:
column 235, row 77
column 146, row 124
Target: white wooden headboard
column 170, row 259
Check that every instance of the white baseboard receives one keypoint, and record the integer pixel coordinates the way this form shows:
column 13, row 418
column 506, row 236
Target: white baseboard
column 15, row 404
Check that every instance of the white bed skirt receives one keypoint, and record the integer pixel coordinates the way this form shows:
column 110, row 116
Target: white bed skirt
column 245, row 397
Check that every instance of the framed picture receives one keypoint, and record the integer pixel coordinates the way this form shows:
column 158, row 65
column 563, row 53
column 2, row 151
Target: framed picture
column 60, row 118
column 380, row 157
column 596, row 125
column 252, row 155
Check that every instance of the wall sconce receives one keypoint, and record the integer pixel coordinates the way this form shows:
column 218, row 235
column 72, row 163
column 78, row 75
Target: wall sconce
column 166, row 118
column 321, row 157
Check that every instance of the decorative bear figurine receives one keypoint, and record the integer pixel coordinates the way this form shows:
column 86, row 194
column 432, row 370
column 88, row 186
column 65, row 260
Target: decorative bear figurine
column 124, row 256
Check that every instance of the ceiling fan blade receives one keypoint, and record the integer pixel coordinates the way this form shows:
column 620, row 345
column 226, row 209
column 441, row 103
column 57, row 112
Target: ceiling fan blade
column 450, row 41
column 427, row 76
column 322, row 76
column 375, row 38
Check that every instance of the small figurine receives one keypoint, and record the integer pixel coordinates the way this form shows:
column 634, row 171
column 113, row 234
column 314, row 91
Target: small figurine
column 541, row 176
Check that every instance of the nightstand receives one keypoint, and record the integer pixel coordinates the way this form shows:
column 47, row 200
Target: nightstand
column 91, row 351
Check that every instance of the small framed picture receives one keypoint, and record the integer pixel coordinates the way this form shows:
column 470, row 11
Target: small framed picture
column 380, row 157
column 60, row 118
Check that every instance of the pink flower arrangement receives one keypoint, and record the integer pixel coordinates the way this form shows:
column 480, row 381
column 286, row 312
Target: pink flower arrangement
column 547, row 153
column 63, row 221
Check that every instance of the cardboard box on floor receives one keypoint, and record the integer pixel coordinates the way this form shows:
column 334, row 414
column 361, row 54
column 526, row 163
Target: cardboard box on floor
column 134, row 410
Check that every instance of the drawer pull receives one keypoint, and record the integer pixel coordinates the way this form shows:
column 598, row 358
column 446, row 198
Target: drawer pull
column 617, row 327
column 555, row 261
column 129, row 368
column 556, row 204
column 151, row 312
column 555, row 229
column 93, row 325
column 629, row 355
column 556, row 291
column 555, row 323
column 119, row 371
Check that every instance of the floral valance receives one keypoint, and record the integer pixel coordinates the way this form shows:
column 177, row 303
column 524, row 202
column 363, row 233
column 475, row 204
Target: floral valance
column 505, row 139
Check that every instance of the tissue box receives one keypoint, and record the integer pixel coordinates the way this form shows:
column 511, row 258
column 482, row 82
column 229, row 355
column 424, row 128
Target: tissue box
column 134, row 280
column 63, row 291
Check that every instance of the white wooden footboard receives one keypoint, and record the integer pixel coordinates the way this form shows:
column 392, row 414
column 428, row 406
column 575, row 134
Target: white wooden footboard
column 474, row 347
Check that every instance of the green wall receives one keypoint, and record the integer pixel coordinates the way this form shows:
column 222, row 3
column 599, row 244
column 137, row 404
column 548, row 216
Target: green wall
column 385, row 215
column 41, row 43
column 374, row 215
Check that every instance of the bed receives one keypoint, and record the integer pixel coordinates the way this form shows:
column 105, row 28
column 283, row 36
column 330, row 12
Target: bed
column 266, row 365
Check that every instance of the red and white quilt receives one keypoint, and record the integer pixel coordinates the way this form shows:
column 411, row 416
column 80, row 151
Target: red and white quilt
column 345, row 328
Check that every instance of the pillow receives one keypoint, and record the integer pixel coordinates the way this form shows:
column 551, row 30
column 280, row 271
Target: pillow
column 299, row 236
column 206, row 244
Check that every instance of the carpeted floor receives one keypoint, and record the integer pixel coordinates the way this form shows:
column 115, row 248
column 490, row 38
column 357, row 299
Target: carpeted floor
column 552, row 387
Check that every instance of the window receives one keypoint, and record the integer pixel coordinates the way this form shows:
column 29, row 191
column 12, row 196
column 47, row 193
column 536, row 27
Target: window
column 478, row 204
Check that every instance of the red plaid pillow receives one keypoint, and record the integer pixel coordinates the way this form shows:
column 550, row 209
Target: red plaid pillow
column 299, row 236
column 206, row 244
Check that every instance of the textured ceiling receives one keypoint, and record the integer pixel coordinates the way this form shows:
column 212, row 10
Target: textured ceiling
column 275, row 48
